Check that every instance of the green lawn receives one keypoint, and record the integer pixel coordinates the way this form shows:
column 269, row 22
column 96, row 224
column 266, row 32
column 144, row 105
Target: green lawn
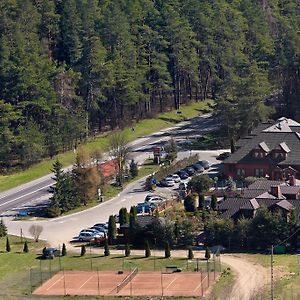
column 142, row 128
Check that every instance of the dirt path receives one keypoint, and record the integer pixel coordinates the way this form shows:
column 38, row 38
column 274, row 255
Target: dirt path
column 251, row 277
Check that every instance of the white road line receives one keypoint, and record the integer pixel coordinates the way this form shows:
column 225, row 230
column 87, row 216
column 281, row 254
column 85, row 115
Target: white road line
column 26, row 195
column 54, row 283
column 86, row 282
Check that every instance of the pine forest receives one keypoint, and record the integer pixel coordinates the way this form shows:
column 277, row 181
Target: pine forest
column 70, row 68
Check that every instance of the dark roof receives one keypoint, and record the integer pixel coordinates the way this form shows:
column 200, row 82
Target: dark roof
column 290, row 190
column 266, row 138
column 285, row 205
column 263, row 184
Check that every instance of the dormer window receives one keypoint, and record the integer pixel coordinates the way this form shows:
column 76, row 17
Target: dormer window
column 259, row 154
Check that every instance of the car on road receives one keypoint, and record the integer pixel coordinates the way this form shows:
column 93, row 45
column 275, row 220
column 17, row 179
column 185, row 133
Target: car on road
column 152, row 196
column 223, row 155
column 167, row 182
column 183, row 174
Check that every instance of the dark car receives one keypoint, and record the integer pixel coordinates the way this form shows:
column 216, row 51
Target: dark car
column 205, row 164
column 223, row 155
column 198, row 167
column 191, row 171
column 50, row 253
column 183, row 174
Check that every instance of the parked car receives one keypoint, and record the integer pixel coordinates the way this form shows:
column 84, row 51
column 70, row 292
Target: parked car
column 91, row 230
column 223, row 155
column 176, row 178
column 205, row 163
column 191, row 171
column 100, row 229
column 182, row 186
column 183, row 174
column 152, row 196
column 144, row 208
column 105, row 225
column 50, row 253
column 167, row 182
column 198, row 167
column 88, row 236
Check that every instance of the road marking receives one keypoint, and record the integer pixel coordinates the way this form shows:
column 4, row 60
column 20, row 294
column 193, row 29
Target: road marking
column 25, row 195
column 198, row 286
column 170, row 283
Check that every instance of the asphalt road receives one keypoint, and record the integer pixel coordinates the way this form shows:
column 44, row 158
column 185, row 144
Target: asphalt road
column 34, row 192
column 63, row 229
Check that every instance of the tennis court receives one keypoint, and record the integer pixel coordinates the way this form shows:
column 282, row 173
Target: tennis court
column 133, row 283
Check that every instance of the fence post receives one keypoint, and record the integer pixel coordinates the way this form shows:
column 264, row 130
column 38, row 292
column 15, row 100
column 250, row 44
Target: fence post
column 30, row 278
column 41, row 273
column 187, row 264
column 98, row 281
column 197, row 264
column 214, row 267
column 201, row 275
column 161, row 282
column 208, row 272
column 65, row 292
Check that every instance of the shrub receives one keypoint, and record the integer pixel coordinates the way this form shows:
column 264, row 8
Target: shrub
column 127, row 250
column 167, row 250
column 83, row 250
column 190, row 253
column 25, row 248
column 7, row 245
column 64, row 250
column 207, row 253
column 106, row 248
column 147, row 249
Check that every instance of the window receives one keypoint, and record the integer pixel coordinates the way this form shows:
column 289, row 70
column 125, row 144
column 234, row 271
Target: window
column 240, row 172
column 278, row 155
column 259, row 154
column 259, row 172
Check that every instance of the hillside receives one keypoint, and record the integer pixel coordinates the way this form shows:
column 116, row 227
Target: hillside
column 73, row 68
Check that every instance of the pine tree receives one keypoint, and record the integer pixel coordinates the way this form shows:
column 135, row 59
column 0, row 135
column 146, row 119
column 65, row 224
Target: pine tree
column 112, row 229
column 201, row 202
column 147, row 249
column 207, row 253
column 167, row 250
column 123, row 216
column 7, row 245
column 3, row 229
column 83, row 250
column 214, row 202
column 64, row 250
column 127, row 250
column 134, row 171
column 25, row 248
column 190, row 253
column 106, row 248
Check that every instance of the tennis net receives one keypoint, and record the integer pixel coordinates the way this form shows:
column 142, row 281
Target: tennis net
column 127, row 279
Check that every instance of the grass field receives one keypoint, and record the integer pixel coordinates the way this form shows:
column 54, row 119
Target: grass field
column 15, row 266
column 286, row 273
column 142, row 128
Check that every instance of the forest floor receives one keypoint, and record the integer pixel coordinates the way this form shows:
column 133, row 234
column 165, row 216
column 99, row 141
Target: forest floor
column 100, row 142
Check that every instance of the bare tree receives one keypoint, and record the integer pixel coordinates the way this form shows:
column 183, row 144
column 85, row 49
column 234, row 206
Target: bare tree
column 35, row 231
column 119, row 150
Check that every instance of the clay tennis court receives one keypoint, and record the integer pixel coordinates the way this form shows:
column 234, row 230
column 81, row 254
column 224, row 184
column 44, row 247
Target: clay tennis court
column 126, row 284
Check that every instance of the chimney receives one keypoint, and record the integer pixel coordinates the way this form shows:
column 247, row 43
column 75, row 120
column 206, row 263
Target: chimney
column 292, row 180
column 276, row 191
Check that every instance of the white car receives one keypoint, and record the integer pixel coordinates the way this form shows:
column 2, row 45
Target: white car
column 176, row 178
column 167, row 182
column 88, row 236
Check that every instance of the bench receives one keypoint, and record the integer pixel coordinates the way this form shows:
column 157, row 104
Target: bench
column 172, row 269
